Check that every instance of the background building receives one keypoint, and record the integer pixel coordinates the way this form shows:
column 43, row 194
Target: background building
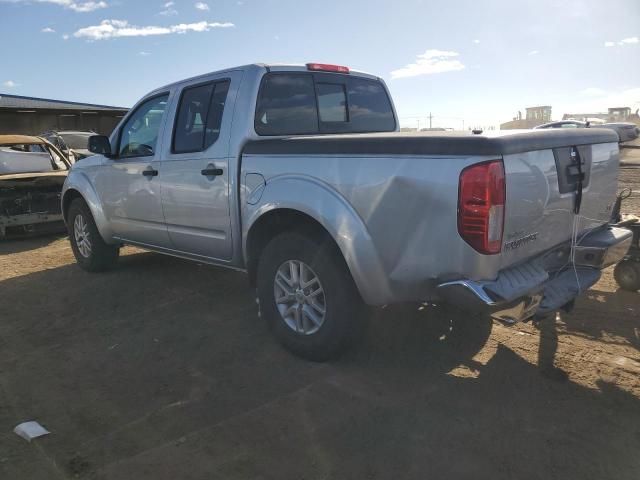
column 534, row 116
column 32, row 116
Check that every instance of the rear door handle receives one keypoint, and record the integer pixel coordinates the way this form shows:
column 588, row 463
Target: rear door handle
column 211, row 172
column 150, row 172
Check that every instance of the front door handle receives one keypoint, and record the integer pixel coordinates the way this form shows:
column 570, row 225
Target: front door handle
column 211, row 172
column 150, row 172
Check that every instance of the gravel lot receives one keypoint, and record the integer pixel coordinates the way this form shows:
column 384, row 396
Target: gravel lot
column 161, row 370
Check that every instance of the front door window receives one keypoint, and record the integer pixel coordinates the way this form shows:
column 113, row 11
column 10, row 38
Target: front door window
column 140, row 134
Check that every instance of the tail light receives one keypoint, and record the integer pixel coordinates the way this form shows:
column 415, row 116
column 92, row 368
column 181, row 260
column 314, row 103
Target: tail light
column 326, row 67
column 481, row 199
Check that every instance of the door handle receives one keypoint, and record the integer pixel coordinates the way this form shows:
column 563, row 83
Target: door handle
column 150, row 172
column 211, row 172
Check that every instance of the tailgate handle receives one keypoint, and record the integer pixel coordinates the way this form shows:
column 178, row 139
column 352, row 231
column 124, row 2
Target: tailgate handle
column 577, row 158
column 575, row 171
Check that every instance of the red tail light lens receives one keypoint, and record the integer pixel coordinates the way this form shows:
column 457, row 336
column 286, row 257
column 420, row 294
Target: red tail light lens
column 325, row 67
column 481, row 201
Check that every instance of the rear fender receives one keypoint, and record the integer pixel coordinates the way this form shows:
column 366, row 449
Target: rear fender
column 319, row 201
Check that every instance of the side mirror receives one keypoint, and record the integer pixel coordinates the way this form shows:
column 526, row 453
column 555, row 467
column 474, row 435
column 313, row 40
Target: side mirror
column 100, row 144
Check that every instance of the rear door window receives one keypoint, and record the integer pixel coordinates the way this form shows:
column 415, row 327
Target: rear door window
column 214, row 116
column 197, row 124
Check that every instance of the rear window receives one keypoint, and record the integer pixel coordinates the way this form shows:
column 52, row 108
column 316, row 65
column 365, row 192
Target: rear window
column 332, row 102
column 306, row 103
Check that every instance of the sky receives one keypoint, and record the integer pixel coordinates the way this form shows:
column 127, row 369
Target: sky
column 478, row 62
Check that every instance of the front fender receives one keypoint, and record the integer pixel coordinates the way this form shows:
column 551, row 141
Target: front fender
column 319, row 201
column 78, row 181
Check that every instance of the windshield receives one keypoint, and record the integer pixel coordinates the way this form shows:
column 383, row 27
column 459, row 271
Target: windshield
column 77, row 141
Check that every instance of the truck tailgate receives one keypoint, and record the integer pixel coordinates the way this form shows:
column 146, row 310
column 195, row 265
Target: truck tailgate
column 543, row 194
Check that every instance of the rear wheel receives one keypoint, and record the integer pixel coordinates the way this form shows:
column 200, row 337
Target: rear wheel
column 307, row 296
column 90, row 250
column 627, row 274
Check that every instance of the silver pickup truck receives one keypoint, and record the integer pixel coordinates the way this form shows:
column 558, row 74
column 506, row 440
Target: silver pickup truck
column 298, row 176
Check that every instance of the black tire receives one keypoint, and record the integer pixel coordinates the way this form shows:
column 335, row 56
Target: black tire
column 343, row 306
column 627, row 274
column 99, row 256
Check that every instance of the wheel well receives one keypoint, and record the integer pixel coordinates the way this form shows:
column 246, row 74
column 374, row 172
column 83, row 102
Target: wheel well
column 69, row 196
column 274, row 223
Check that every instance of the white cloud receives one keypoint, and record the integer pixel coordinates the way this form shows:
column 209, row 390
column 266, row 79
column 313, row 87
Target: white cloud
column 82, row 6
column 9, row 84
column 533, row 52
column 624, row 41
column 48, row 30
column 121, row 28
column 430, row 62
column 476, row 41
column 593, row 92
column 168, row 10
column 144, row 54
column 202, row 6
column 629, row 40
column 65, row 37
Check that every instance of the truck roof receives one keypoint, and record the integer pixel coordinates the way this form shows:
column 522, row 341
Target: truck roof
column 276, row 67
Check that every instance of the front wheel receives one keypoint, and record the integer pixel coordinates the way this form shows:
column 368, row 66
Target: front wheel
column 90, row 250
column 307, row 296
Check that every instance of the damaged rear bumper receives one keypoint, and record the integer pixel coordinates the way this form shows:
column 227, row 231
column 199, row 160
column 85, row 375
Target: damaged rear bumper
column 544, row 284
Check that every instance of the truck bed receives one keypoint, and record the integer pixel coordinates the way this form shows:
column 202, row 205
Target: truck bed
column 403, row 187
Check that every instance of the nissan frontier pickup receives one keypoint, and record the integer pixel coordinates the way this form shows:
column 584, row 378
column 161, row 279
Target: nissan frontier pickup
column 298, row 176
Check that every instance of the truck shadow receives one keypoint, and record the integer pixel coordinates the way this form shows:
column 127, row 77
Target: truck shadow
column 28, row 242
column 162, row 367
column 607, row 317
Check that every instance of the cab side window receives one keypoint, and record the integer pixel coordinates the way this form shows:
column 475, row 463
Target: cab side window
column 199, row 118
column 139, row 134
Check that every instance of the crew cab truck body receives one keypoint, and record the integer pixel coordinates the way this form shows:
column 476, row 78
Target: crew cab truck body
column 298, row 176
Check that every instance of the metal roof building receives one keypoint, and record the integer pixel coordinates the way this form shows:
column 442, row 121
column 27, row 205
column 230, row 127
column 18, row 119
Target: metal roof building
column 32, row 116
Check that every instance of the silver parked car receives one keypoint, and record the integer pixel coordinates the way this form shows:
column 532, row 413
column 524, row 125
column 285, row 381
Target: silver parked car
column 626, row 131
column 297, row 175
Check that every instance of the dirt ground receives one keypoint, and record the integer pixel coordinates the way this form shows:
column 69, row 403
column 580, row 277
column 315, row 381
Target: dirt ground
column 162, row 370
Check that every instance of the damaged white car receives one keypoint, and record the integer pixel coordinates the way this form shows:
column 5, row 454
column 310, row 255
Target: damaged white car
column 32, row 172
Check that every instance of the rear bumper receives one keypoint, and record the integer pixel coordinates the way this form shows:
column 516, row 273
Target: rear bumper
column 544, row 284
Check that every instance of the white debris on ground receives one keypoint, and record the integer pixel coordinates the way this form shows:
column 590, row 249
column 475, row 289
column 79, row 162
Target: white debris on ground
column 30, row 430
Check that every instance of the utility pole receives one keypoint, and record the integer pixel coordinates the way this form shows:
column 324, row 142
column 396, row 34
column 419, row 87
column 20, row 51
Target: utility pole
column 430, row 117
